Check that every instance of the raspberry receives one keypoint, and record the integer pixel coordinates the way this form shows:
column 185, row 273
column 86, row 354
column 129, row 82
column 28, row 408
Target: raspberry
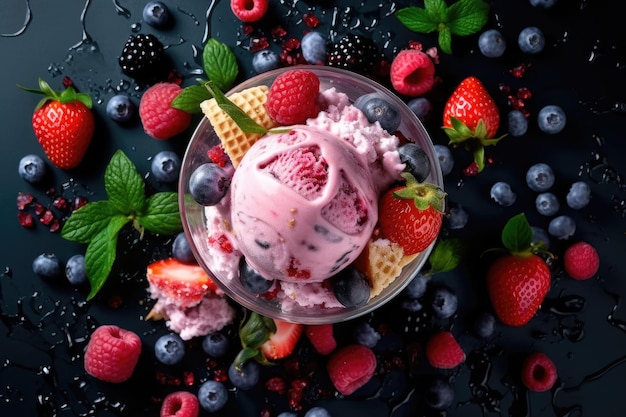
column 112, row 353
column 180, row 404
column 443, row 351
column 293, row 97
column 351, row 367
column 538, row 372
column 249, row 10
column 581, row 261
column 143, row 58
column 412, row 73
column 159, row 119
column 354, row 53
column 321, row 337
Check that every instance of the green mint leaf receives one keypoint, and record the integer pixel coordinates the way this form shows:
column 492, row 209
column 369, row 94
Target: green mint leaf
column 517, row 235
column 446, row 255
column 162, row 215
column 100, row 254
column 124, row 185
column 437, row 10
column 240, row 117
column 466, row 17
column 190, row 98
column 417, row 20
column 445, row 40
column 220, row 64
column 88, row 221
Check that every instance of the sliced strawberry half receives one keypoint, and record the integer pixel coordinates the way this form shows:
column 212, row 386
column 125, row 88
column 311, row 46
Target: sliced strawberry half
column 283, row 341
column 185, row 284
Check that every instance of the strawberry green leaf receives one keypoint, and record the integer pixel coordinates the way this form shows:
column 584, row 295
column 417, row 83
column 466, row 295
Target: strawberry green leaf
column 162, row 215
column 190, row 98
column 446, row 255
column 220, row 64
column 124, row 185
column 479, row 157
column 467, row 17
column 253, row 332
column 100, row 254
column 240, row 117
column 88, row 221
column 517, row 235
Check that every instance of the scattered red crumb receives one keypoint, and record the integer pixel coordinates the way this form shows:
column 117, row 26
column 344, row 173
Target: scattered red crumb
column 189, row 378
column 519, row 71
column 417, row 45
column 471, row 170
column 23, row 200
column 79, row 201
column 247, row 29
column 67, row 82
column 278, row 31
column 115, row 301
column 217, row 155
column 55, row 226
column 295, row 394
column 276, row 384
column 311, row 20
column 25, row 219
column 259, row 43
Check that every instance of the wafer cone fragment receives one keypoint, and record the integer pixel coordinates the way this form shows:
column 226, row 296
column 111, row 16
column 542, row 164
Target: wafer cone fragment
column 235, row 141
column 382, row 262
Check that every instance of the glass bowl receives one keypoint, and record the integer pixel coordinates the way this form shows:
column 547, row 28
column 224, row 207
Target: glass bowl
column 195, row 224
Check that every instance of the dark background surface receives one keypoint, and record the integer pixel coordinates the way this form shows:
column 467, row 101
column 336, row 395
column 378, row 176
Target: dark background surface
column 44, row 326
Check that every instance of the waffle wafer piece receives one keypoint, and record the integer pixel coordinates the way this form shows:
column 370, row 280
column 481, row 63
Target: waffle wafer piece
column 383, row 263
column 236, row 142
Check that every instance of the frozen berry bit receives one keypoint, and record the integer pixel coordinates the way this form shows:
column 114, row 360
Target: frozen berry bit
column 112, row 353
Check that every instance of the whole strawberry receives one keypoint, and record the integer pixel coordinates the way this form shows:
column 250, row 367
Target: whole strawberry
column 63, row 124
column 518, row 281
column 471, row 117
column 411, row 215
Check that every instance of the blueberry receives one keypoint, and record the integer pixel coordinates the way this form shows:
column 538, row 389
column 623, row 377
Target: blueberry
column 317, row 412
column 412, row 305
column 491, row 43
column 422, row 107
column 366, row 335
column 47, row 266
column 551, row 119
column 446, row 160
column 562, row 227
column 75, row 270
column 156, row 14
column 444, row 302
column 502, row 194
column 417, row 287
column 543, row 4
column 457, row 217
column 416, row 160
column 215, row 344
column 314, row 48
column 531, row 40
column 181, row 249
column 208, row 184
column 32, row 168
column 517, row 123
column 540, row 236
column 245, row 376
column 166, row 166
column 547, row 204
column 540, row 177
column 378, row 109
column 120, row 108
column 251, row 280
column 484, row 325
column 578, row 195
column 212, row 396
column 265, row 60
column 169, row 349
column 439, row 393
column 351, row 288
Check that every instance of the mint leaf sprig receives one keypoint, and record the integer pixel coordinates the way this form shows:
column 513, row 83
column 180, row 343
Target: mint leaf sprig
column 221, row 68
column 97, row 224
column 462, row 18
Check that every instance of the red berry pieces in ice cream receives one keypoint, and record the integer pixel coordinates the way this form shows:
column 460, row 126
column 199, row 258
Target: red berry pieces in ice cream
column 351, row 367
column 293, row 97
column 112, row 353
column 581, row 261
column 411, row 215
column 159, row 119
column 412, row 73
column 321, row 337
column 443, row 351
column 538, row 372
column 249, row 10
column 180, row 404
column 183, row 283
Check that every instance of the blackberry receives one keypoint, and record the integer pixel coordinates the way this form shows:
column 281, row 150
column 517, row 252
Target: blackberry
column 355, row 53
column 143, row 58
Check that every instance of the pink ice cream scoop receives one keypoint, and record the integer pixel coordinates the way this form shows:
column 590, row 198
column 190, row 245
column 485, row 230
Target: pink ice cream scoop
column 303, row 205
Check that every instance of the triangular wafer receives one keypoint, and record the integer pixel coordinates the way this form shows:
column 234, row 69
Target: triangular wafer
column 383, row 262
column 234, row 140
